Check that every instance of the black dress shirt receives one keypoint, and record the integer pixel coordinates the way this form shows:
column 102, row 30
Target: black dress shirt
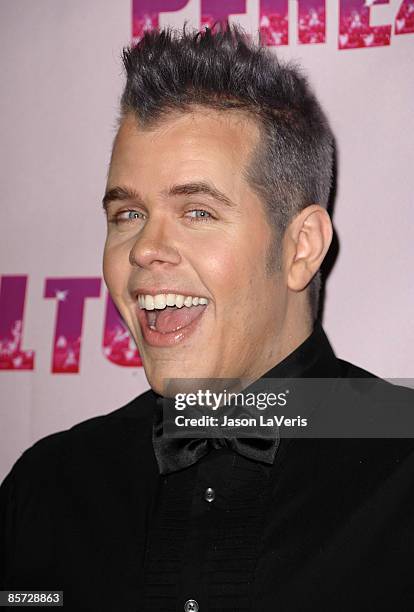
column 328, row 527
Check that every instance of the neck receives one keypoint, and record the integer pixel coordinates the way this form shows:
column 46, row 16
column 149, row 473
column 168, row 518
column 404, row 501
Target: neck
column 294, row 329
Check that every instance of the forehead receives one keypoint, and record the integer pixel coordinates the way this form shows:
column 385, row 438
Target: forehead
column 201, row 140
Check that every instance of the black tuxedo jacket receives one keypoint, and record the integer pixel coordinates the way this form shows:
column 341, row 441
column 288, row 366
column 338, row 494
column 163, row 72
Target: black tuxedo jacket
column 328, row 527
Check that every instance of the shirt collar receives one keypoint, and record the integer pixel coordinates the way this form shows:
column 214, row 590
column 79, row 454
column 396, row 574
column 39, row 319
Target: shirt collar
column 314, row 358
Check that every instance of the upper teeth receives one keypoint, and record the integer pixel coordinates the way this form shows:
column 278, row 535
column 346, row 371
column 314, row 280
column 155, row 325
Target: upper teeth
column 161, row 300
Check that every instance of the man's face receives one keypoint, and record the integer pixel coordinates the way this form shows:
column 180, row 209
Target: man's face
column 191, row 226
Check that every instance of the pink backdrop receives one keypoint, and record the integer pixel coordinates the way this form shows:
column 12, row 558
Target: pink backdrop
column 64, row 353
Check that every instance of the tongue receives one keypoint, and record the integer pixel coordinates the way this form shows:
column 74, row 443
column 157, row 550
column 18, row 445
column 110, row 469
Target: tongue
column 172, row 318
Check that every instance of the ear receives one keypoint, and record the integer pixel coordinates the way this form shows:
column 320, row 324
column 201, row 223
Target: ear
column 308, row 238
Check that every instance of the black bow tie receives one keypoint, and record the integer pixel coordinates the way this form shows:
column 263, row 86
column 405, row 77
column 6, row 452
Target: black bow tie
column 174, row 454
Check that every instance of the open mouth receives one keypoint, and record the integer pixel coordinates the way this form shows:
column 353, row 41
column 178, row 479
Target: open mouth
column 166, row 319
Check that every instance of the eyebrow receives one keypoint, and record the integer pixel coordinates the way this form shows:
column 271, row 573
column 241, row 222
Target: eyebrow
column 197, row 187
column 193, row 188
column 120, row 193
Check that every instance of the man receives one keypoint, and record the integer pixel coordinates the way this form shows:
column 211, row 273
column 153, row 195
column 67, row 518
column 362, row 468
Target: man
column 217, row 227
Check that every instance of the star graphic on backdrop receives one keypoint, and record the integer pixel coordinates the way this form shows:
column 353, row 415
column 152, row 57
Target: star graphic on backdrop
column 61, row 295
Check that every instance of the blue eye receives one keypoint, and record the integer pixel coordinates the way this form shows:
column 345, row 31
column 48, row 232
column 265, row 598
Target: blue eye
column 133, row 214
column 203, row 216
column 128, row 215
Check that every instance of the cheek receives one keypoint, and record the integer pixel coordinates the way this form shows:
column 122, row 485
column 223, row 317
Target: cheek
column 115, row 270
column 219, row 265
column 232, row 269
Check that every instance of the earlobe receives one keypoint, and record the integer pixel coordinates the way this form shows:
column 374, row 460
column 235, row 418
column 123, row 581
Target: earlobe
column 309, row 236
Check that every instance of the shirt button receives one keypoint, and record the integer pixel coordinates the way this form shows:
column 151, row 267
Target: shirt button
column 209, row 494
column 191, row 606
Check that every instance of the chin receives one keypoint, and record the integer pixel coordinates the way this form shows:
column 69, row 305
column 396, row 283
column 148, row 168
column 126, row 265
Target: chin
column 169, row 381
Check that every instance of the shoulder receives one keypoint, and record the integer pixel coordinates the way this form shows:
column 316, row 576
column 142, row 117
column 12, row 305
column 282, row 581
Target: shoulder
column 132, row 423
column 351, row 370
column 364, row 379
column 380, row 412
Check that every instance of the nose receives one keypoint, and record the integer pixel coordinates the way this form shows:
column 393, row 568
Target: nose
column 153, row 245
